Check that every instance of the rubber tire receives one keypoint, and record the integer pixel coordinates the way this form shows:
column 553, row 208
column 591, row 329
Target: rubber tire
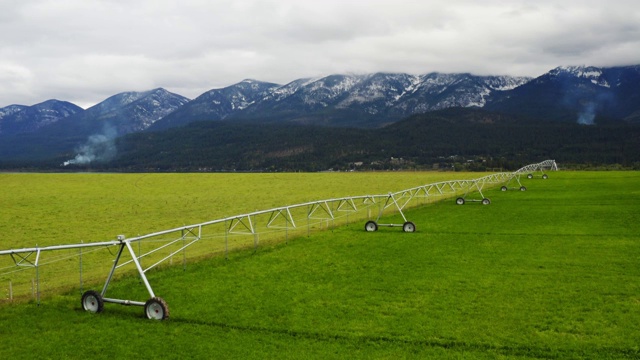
column 92, row 301
column 530, row 176
column 156, row 309
column 545, row 176
column 371, row 226
column 409, row 227
column 486, row 201
column 460, row 201
column 522, row 188
column 504, row 188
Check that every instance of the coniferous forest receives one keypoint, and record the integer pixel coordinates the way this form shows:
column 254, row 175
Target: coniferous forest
column 451, row 139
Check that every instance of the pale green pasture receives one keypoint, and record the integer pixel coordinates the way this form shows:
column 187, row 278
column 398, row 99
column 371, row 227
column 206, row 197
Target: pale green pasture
column 53, row 209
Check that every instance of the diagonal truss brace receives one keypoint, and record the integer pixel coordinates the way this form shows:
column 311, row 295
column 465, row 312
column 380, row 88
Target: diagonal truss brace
column 23, row 260
column 246, row 223
column 281, row 213
column 322, row 205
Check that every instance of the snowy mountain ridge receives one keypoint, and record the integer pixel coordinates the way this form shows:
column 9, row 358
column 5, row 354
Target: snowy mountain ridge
column 591, row 73
column 374, row 99
column 354, row 100
column 15, row 119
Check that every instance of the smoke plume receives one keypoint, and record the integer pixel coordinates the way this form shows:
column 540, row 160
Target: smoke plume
column 98, row 148
column 588, row 114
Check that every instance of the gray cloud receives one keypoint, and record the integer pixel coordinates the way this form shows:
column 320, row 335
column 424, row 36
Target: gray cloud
column 86, row 50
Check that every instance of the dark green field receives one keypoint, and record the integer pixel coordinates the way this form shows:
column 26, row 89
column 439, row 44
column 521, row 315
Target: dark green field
column 549, row 273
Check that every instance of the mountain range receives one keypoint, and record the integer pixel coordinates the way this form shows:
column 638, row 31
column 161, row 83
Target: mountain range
column 365, row 101
column 575, row 94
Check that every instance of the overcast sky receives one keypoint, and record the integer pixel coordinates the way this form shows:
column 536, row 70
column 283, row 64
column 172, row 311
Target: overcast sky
column 84, row 51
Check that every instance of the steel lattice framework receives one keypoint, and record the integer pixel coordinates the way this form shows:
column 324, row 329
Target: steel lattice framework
column 285, row 217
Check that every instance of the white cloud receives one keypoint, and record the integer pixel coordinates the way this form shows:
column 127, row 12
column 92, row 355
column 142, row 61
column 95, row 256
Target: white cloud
column 86, row 50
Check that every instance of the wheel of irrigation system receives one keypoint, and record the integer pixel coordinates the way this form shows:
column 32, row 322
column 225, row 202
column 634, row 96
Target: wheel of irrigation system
column 486, row 201
column 545, row 176
column 371, row 226
column 408, row 227
column 522, row 188
column 92, row 302
column 530, row 176
column 504, row 188
column 156, row 309
column 460, row 201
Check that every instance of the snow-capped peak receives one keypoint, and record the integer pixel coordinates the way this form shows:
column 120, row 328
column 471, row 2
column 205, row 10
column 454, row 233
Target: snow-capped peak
column 591, row 73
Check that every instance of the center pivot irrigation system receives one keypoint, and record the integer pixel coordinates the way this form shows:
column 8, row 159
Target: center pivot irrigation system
column 176, row 240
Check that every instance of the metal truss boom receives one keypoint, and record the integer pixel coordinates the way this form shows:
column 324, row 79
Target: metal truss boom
column 156, row 308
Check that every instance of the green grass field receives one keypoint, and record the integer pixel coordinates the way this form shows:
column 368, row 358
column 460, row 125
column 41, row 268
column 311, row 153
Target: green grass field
column 50, row 209
column 549, row 273
column 54, row 209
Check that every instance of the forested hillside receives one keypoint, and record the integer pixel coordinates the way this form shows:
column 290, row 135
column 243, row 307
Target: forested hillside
column 448, row 139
